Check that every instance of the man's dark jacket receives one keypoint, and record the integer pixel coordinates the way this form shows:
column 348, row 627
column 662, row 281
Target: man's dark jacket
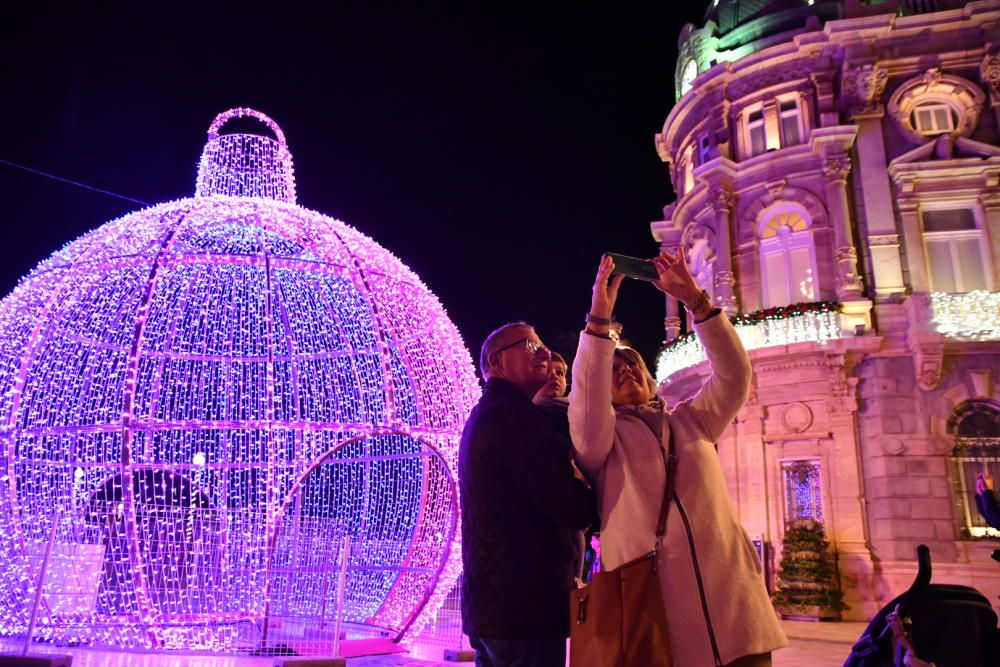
column 520, row 501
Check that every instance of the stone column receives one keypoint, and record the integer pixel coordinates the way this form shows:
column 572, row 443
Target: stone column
column 672, row 322
column 835, row 170
column 989, row 72
column 991, row 220
column 772, row 125
column 848, row 519
column 825, row 97
column 723, row 202
column 863, row 87
column 909, row 218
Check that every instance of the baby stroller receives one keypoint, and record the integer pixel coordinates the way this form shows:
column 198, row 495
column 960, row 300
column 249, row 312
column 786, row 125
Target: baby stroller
column 940, row 624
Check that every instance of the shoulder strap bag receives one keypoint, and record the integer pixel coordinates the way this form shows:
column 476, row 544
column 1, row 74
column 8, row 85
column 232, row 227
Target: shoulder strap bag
column 619, row 620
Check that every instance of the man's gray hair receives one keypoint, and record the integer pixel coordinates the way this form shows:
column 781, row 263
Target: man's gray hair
column 490, row 344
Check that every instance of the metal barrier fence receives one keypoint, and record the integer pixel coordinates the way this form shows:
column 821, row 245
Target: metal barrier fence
column 444, row 631
column 210, row 589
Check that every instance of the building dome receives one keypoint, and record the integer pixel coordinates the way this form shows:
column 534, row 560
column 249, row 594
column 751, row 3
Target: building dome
column 202, row 399
column 734, row 29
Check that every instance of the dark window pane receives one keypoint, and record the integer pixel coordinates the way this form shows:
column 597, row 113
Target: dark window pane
column 948, row 219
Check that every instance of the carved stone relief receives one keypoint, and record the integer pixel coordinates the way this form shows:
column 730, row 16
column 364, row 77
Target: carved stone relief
column 863, row 87
column 989, row 71
column 796, row 417
column 836, row 168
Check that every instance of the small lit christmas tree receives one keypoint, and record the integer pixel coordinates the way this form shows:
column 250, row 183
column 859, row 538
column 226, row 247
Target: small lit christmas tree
column 808, row 585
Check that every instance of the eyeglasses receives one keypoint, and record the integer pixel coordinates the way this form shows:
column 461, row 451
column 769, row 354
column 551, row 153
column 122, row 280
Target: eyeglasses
column 532, row 347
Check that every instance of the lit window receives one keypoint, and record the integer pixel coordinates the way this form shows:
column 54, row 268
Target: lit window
column 687, row 168
column 688, row 75
column 704, row 149
column 957, row 256
column 788, row 111
column 773, row 127
column 787, row 260
column 977, row 450
column 756, row 133
column 803, row 492
column 933, row 118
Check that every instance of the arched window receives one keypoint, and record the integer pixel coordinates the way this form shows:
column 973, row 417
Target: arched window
column 976, row 426
column 787, row 258
column 687, row 169
column 688, row 75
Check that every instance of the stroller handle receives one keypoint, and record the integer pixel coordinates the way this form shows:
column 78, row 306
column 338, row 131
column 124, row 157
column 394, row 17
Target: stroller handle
column 923, row 569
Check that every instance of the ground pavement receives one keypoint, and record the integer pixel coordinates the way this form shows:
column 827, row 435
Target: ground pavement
column 812, row 645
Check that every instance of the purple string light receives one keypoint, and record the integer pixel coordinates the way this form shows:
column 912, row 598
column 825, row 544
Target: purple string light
column 215, row 391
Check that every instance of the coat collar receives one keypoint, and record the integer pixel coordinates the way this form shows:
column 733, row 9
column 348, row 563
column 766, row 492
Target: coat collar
column 652, row 417
column 497, row 388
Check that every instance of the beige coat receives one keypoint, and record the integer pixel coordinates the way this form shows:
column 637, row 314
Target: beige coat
column 711, row 578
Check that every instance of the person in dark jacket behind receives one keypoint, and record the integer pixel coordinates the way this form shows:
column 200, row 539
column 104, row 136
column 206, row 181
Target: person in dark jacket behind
column 551, row 398
column 986, row 500
column 520, row 502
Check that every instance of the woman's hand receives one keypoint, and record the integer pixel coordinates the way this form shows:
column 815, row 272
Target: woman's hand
column 605, row 294
column 675, row 277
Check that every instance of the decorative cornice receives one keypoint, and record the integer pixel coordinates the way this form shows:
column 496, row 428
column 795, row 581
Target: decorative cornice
column 771, row 76
column 811, row 362
column 990, row 200
column 884, row 240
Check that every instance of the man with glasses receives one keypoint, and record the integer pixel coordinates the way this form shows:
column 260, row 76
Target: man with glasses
column 520, row 504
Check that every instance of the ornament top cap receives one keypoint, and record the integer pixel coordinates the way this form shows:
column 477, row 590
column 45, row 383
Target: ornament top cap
column 246, row 165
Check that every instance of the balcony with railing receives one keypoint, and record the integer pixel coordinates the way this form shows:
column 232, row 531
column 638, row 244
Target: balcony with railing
column 970, row 316
column 817, row 322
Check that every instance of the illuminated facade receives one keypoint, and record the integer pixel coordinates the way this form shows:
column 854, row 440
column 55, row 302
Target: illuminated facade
column 202, row 399
column 837, row 166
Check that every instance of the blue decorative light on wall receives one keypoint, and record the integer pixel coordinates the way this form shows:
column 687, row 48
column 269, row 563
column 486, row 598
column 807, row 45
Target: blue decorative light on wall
column 803, row 491
column 201, row 399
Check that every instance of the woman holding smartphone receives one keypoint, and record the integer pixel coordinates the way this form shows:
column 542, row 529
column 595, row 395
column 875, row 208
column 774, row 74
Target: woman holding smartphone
column 718, row 611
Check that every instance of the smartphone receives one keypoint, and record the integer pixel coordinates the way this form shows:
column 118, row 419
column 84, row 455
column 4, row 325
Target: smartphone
column 633, row 267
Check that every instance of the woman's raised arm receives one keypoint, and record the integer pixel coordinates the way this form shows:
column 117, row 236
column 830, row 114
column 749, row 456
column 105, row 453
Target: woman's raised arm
column 591, row 416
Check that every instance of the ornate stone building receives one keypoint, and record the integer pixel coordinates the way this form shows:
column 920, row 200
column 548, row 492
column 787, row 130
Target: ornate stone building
column 837, row 166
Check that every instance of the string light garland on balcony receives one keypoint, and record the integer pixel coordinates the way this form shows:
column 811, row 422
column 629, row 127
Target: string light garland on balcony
column 971, row 316
column 207, row 396
column 796, row 323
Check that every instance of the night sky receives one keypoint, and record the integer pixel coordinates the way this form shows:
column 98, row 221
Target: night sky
column 497, row 151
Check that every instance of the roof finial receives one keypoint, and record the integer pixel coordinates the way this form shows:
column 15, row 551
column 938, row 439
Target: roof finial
column 246, row 165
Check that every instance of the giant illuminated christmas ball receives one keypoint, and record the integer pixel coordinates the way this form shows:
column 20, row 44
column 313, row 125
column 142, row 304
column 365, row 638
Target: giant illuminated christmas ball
column 202, row 399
